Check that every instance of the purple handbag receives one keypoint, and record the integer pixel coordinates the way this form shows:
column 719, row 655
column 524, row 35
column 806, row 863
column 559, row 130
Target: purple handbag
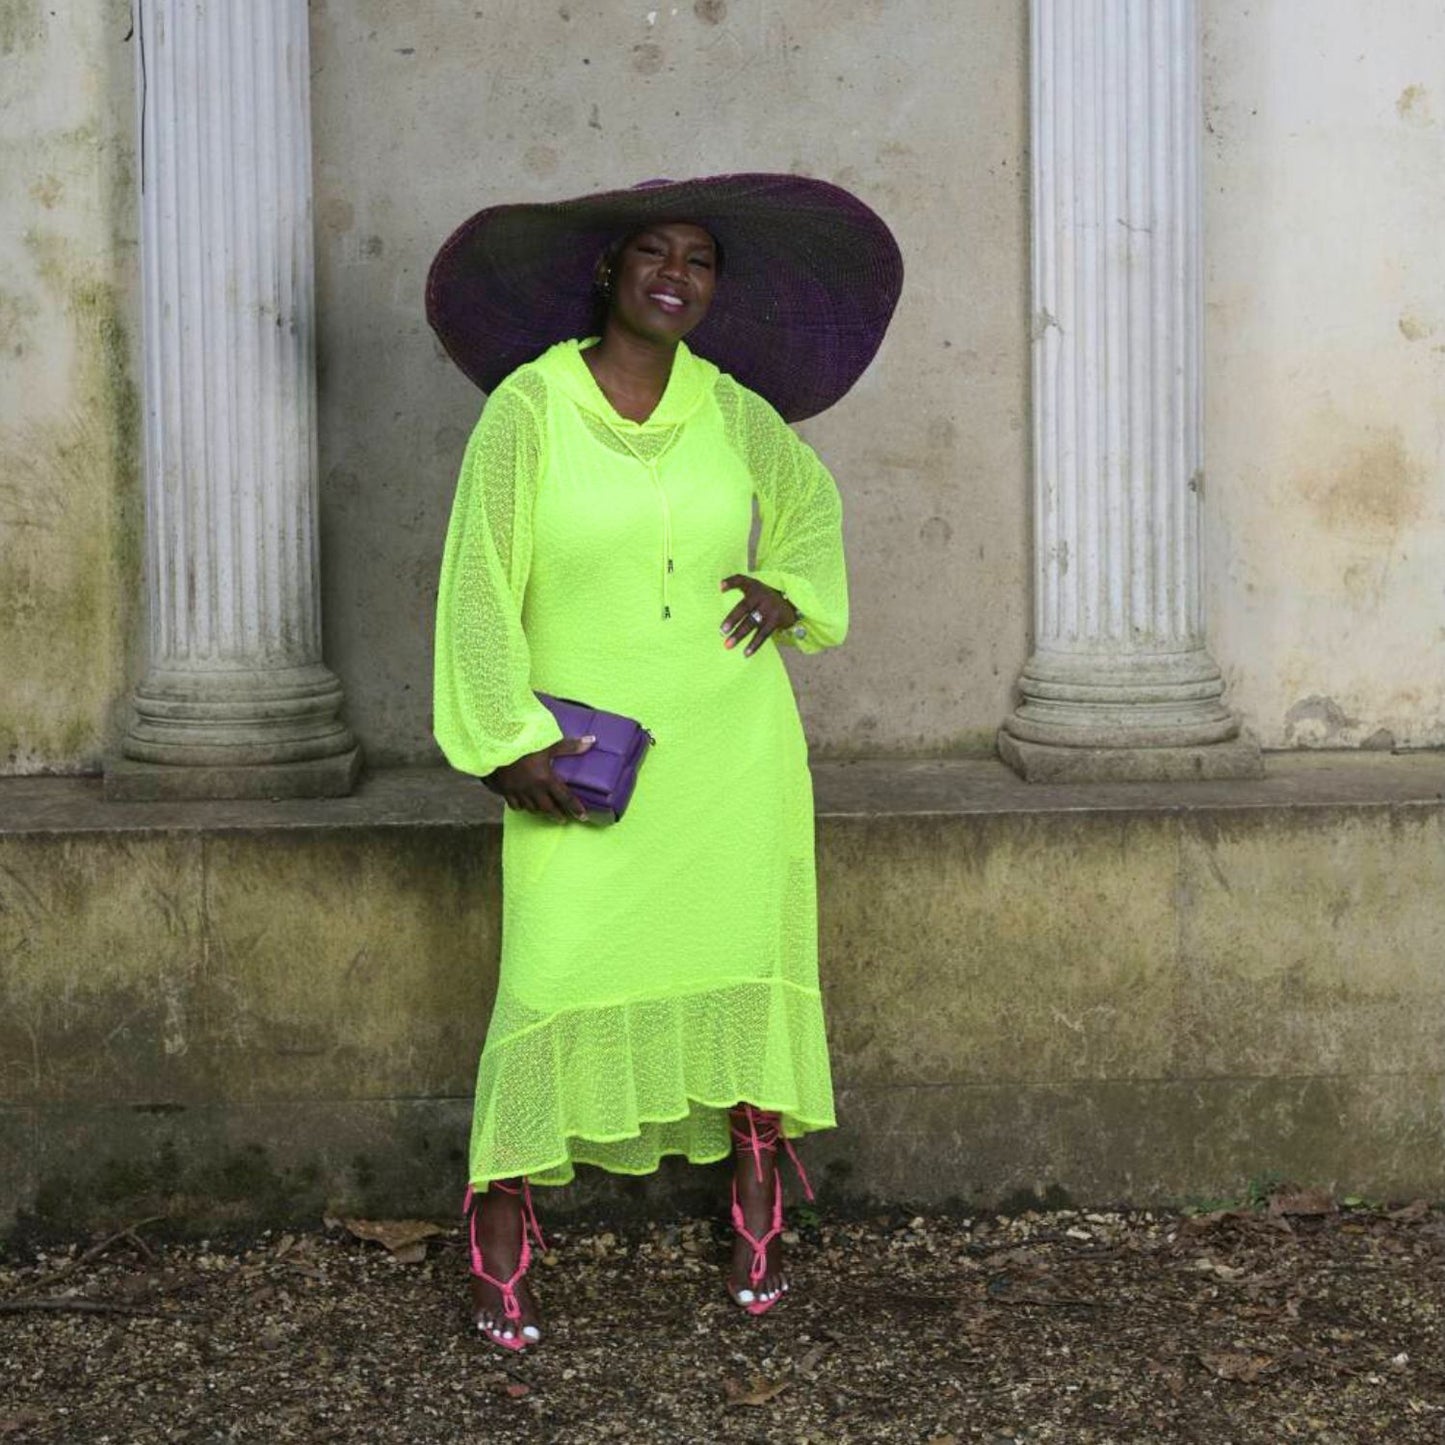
column 604, row 776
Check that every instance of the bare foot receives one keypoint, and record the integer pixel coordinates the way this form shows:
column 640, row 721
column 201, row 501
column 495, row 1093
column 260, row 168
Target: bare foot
column 755, row 1193
column 499, row 1226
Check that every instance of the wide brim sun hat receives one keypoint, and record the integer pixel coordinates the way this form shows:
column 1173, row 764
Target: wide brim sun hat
column 809, row 280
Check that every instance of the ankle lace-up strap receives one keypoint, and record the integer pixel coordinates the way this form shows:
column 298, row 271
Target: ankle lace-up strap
column 511, row 1306
column 762, row 1136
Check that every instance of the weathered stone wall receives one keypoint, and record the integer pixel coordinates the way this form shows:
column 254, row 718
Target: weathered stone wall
column 1325, row 427
column 70, row 500
column 1152, row 994
column 426, row 113
column 1325, row 486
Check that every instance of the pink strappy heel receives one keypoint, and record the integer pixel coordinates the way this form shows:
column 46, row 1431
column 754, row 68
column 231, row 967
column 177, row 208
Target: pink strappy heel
column 511, row 1306
column 762, row 1136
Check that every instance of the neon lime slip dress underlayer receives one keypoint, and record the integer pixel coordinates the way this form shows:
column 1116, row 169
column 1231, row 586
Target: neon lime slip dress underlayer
column 659, row 971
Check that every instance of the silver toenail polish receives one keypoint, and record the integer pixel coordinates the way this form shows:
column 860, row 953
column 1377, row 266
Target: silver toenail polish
column 532, row 1332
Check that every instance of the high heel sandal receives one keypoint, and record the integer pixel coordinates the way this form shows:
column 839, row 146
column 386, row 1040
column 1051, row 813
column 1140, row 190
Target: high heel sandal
column 511, row 1306
column 762, row 1137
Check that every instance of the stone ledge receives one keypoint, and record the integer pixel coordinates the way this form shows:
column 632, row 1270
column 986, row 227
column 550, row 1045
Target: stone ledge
column 872, row 787
column 1126, row 991
column 1236, row 759
column 246, row 1165
column 129, row 781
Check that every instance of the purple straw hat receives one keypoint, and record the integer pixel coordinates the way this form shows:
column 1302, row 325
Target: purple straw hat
column 809, row 280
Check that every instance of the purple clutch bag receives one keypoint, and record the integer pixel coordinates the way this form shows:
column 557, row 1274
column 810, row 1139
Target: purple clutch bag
column 604, row 776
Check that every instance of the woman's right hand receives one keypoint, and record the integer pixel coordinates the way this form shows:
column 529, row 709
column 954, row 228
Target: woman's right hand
column 530, row 786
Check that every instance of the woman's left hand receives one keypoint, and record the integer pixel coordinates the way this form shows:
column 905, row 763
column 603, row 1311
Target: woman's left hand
column 762, row 612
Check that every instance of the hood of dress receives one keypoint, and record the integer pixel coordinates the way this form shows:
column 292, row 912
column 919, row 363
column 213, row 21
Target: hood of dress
column 688, row 387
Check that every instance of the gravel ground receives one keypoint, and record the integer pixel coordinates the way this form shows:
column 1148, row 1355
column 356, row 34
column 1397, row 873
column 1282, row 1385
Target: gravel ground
column 1298, row 1320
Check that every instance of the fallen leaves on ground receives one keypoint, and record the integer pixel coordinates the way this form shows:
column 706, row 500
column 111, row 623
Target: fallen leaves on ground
column 1235, row 1364
column 1101, row 1327
column 404, row 1239
column 1409, row 1213
column 758, row 1392
column 1303, row 1202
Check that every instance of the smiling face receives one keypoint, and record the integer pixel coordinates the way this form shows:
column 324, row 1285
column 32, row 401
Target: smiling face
column 662, row 281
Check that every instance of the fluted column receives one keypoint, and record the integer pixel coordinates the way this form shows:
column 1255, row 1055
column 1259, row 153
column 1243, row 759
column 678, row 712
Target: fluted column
column 236, row 700
column 1119, row 684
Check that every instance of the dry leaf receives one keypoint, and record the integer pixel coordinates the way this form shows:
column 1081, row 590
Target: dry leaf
column 404, row 1238
column 759, row 1392
column 1418, row 1209
column 1031, row 1287
column 1200, row 1223
column 1304, row 1201
column 809, row 1363
column 1235, row 1364
column 1205, row 1265
column 516, row 1389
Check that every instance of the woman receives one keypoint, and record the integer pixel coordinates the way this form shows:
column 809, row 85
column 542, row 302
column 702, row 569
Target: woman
column 658, row 990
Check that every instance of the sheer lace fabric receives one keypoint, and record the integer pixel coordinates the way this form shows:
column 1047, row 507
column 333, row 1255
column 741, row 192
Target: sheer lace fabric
column 657, row 972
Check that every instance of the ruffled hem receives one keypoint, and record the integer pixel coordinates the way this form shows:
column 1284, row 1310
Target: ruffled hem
column 625, row 1086
column 708, row 1141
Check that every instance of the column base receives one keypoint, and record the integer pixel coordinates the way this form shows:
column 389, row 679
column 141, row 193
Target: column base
column 1239, row 757
column 130, row 781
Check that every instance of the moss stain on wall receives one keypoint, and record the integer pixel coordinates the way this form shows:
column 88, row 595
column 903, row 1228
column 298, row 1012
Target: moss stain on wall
column 70, row 529
column 22, row 24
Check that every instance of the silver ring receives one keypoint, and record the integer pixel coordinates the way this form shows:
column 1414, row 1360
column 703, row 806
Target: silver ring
column 756, row 616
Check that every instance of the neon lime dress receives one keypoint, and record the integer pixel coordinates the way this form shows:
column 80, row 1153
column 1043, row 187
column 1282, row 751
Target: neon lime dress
column 656, row 972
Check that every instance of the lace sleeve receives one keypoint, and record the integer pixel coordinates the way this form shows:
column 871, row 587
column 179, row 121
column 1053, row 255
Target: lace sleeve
column 484, row 711
column 800, row 548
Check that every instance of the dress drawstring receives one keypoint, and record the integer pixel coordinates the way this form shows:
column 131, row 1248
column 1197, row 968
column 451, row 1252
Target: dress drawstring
column 666, row 541
column 655, row 476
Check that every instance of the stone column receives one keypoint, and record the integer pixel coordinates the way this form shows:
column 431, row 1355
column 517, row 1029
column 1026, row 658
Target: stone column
column 1120, row 684
column 236, row 701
